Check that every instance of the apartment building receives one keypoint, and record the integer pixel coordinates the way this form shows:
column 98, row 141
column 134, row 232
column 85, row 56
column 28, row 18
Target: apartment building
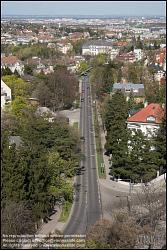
column 95, row 47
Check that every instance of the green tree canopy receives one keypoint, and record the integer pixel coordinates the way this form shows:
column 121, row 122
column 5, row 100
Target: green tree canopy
column 115, row 123
column 19, row 87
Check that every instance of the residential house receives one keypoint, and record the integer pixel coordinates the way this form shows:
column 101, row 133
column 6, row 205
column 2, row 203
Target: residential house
column 23, row 40
column 45, row 38
column 13, row 63
column 138, row 54
column 64, row 46
column 76, row 36
column 148, row 119
column 120, row 43
column 159, row 73
column 95, row 47
column 114, row 52
column 159, row 76
column 161, row 56
column 15, row 140
column 50, row 115
column 126, row 57
column 6, row 95
column 43, row 68
column 127, row 88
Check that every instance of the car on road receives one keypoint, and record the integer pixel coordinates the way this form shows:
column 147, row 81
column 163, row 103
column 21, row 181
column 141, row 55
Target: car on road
column 82, row 138
column 83, row 168
column 78, row 172
column 82, row 99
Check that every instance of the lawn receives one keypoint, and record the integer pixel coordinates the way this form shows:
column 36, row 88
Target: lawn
column 75, row 124
column 99, row 152
column 65, row 211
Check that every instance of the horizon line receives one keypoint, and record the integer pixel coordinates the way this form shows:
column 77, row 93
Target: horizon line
column 156, row 15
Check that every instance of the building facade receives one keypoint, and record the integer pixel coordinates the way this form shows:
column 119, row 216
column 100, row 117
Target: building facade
column 6, row 95
column 147, row 120
column 127, row 88
column 96, row 47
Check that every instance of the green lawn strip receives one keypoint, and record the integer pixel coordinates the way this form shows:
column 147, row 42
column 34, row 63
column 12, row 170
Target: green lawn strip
column 99, row 152
column 65, row 211
column 75, row 124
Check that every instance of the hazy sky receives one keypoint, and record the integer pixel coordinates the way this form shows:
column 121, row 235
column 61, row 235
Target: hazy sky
column 83, row 8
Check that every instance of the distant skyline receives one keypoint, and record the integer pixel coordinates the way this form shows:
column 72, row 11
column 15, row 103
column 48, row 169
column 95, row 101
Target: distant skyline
column 65, row 8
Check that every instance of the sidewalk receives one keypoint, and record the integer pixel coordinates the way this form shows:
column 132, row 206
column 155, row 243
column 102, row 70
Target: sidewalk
column 53, row 224
column 46, row 228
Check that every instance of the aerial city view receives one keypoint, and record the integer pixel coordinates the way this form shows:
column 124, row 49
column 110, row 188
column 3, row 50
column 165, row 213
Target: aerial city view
column 83, row 125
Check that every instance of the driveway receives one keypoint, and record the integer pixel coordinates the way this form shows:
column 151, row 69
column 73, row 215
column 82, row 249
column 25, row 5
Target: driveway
column 72, row 115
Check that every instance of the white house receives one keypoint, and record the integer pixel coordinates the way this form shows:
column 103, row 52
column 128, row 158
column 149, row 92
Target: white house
column 114, row 52
column 159, row 75
column 95, row 47
column 64, row 47
column 138, row 54
column 13, row 63
column 6, row 95
column 148, row 119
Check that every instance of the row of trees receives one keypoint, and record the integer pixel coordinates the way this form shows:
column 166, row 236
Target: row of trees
column 132, row 153
column 36, row 173
column 24, row 52
column 104, row 75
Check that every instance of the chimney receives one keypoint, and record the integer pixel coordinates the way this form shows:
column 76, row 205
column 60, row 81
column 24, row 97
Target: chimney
column 145, row 104
column 163, row 105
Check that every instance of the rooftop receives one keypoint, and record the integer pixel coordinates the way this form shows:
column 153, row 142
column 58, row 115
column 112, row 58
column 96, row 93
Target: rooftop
column 152, row 110
column 97, row 43
column 9, row 59
column 15, row 140
column 128, row 86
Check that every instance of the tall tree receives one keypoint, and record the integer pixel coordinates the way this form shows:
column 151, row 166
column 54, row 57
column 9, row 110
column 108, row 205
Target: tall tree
column 12, row 185
column 141, row 157
column 160, row 145
column 115, row 122
column 6, row 71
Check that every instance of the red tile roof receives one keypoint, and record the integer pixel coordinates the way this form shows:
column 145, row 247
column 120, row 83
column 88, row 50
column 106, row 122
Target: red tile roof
column 153, row 109
column 9, row 60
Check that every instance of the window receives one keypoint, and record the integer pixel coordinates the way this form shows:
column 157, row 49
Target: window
column 150, row 119
column 135, row 90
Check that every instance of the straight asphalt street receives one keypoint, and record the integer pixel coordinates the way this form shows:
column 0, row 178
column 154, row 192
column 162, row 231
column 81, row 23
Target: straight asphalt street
column 87, row 202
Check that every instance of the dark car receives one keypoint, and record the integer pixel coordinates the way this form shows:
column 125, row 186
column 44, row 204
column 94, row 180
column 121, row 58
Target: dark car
column 82, row 99
column 82, row 138
column 78, row 172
